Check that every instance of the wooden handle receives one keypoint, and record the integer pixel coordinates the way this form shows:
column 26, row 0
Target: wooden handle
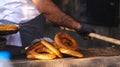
column 105, row 38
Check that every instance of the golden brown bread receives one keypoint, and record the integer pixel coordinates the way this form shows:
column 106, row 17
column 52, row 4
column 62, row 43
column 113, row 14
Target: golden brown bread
column 51, row 47
column 8, row 26
column 64, row 40
column 39, row 51
column 44, row 49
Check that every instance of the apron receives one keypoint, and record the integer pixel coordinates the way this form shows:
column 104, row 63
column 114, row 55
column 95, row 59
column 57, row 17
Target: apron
column 30, row 30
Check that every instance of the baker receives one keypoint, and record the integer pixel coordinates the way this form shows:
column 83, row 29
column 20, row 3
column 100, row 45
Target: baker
column 31, row 15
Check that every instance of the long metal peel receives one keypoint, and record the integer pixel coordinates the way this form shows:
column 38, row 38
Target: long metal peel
column 105, row 38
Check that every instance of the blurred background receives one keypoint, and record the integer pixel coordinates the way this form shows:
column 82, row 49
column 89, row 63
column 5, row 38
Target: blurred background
column 97, row 12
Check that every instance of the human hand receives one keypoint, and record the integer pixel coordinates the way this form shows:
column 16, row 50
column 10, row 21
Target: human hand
column 84, row 31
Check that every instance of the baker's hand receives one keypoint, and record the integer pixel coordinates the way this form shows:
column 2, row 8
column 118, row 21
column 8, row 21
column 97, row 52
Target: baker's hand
column 84, row 31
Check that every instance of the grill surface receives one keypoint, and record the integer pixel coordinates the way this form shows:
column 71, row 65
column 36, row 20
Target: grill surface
column 94, row 52
column 113, row 61
column 97, row 53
